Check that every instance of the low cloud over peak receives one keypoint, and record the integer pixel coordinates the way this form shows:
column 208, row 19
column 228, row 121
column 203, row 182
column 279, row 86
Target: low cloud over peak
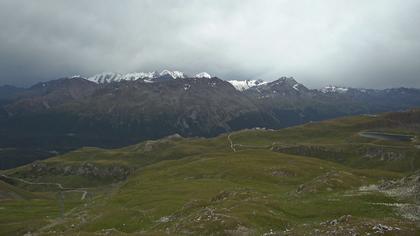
column 353, row 43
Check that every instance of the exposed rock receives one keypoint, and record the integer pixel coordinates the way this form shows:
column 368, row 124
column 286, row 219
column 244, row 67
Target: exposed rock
column 342, row 219
column 85, row 169
column 164, row 219
column 240, row 231
column 381, row 229
column 381, row 154
column 407, row 187
column 282, row 173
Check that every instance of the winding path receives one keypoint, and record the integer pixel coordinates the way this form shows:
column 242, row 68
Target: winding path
column 59, row 186
column 233, row 145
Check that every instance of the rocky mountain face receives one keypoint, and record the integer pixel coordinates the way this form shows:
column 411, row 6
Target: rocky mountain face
column 44, row 96
column 112, row 109
column 65, row 114
column 286, row 98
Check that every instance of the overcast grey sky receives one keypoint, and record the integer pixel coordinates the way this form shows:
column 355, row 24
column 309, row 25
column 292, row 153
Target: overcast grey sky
column 358, row 43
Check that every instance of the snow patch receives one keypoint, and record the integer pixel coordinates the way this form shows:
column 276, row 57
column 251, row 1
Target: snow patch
column 174, row 74
column 334, row 89
column 148, row 77
column 139, row 75
column 243, row 85
column 203, row 75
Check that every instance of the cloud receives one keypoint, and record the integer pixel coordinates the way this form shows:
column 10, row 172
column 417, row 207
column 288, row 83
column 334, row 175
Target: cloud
column 356, row 43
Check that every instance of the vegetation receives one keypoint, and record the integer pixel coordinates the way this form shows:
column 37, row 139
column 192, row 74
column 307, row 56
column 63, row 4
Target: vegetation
column 315, row 179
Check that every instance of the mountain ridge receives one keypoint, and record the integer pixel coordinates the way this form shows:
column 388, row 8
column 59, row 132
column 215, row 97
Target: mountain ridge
column 108, row 77
column 65, row 114
column 241, row 85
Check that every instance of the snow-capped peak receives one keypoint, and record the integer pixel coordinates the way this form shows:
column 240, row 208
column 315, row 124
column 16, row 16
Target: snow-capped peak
column 105, row 77
column 109, row 77
column 203, row 75
column 148, row 77
column 174, row 74
column 242, row 85
column 75, row 76
column 334, row 89
column 140, row 75
column 289, row 80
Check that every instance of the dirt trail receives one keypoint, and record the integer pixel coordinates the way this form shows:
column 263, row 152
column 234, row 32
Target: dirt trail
column 233, row 145
column 59, row 186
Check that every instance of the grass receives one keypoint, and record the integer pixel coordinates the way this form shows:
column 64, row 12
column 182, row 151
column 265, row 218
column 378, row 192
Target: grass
column 217, row 192
column 21, row 216
column 339, row 141
column 294, row 178
column 10, row 192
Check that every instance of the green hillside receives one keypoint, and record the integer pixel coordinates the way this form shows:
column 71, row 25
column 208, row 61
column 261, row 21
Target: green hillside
column 316, row 179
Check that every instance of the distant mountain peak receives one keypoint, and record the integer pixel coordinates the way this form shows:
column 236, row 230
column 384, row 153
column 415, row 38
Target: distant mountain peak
column 243, row 85
column 334, row 89
column 109, row 77
column 287, row 82
column 174, row 74
column 287, row 79
column 76, row 76
column 203, row 75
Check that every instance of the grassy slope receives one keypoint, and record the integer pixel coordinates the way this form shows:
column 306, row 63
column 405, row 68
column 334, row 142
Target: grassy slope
column 131, row 158
column 338, row 140
column 254, row 190
column 200, row 185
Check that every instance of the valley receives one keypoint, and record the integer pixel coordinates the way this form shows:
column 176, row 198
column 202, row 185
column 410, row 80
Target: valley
column 319, row 178
column 218, row 118
column 111, row 110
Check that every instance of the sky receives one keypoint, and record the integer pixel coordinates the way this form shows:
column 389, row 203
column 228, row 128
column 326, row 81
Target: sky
column 356, row 43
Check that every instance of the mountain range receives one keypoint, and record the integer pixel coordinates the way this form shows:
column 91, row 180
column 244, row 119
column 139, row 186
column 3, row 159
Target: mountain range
column 111, row 109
